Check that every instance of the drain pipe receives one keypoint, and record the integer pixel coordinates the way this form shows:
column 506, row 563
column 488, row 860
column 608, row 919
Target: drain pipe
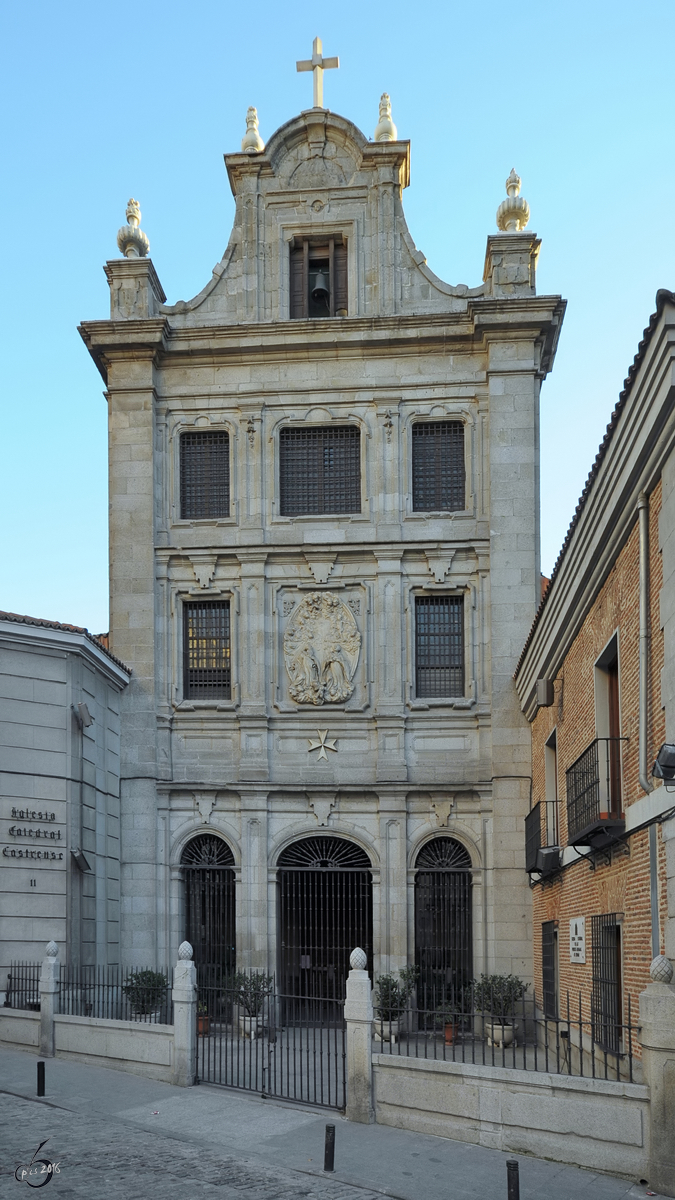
column 645, row 784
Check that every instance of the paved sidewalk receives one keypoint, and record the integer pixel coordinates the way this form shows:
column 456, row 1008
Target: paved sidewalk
column 121, row 1137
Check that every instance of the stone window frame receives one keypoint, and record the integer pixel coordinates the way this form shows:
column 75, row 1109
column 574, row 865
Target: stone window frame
column 413, row 701
column 216, row 423
column 321, row 227
column 449, row 411
column 319, row 416
column 181, row 595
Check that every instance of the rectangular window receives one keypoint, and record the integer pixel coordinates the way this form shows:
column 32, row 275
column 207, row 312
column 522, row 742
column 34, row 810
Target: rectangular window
column 320, row 470
column 552, row 806
column 204, row 475
column 608, row 728
column 439, row 477
column 439, row 646
column 206, row 650
column 318, row 278
column 606, row 1000
column 549, row 968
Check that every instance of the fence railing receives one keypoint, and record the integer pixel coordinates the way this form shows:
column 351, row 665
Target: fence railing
column 23, row 986
column 594, row 787
column 513, row 1034
column 119, row 993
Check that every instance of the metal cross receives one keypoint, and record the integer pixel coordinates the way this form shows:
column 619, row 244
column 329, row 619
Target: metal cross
column 318, row 65
column 322, row 745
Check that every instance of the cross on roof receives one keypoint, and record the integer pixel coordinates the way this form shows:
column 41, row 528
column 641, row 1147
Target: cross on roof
column 318, row 65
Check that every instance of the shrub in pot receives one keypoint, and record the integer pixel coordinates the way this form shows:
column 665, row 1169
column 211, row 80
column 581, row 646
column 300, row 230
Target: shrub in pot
column 392, row 997
column 250, row 992
column 145, row 991
column 496, row 996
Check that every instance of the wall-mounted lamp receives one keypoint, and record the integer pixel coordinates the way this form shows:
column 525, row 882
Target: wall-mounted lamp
column 664, row 767
column 81, row 860
column 83, row 716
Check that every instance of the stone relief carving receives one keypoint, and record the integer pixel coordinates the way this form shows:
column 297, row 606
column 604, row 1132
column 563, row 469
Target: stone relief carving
column 321, row 650
column 288, row 607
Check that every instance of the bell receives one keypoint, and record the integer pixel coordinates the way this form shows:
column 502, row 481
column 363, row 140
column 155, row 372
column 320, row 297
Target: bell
column 320, row 289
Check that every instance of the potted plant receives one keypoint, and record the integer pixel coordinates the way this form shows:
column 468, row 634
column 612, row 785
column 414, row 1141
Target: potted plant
column 496, row 997
column 392, row 997
column 145, row 991
column 203, row 1019
column 250, row 992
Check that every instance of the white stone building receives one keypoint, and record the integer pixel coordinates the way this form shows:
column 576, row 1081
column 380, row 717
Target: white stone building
column 324, row 562
column 59, row 793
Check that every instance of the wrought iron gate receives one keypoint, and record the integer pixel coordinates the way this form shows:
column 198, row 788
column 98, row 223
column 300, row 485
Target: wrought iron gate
column 443, row 944
column 207, row 865
column 293, row 1047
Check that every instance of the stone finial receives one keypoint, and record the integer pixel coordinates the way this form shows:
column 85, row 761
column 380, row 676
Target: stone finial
column 51, row 950
column 661, row 969
column 514, row 213
column 130, row 238
column 252, row 143
column 358, row 959
column 185, row 952
column 385, row 130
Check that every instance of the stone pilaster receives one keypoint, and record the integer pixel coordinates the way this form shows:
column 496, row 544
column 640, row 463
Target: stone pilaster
column 511, row 264
column 657, row 1020
column 184, row 996
column 359, row 1019
column 49, row 986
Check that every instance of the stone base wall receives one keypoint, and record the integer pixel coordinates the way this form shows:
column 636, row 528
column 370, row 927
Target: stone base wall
column 19, row 1028
column 140, row 1048
column 583, row 1122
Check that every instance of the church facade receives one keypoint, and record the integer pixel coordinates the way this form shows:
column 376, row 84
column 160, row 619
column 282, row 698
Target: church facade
column 324, row 563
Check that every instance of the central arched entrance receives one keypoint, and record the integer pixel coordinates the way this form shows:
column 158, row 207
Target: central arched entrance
column 443, row 942
column 207, row 867
column 325, row 910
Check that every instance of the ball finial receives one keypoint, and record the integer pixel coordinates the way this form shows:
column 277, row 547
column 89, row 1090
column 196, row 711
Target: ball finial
column 661, row 969
column 385, row 130
column 130, row 238
column 185, row 952
column 252, row 143
column 358, row 959
column 514, row 213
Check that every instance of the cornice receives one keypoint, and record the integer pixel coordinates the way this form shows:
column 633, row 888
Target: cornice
column 79, row 642
column 124, row 339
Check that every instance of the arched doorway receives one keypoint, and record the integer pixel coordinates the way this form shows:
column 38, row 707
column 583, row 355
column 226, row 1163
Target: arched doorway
column 325, row 910
column 207, row 866
column 443, row 942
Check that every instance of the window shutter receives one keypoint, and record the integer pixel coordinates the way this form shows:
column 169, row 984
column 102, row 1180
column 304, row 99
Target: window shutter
column 298, row 287
column 439, row 477
column 340, row 279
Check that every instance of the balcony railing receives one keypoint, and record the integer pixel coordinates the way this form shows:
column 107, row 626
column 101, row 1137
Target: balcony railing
column 541, row 838
column 594, row 810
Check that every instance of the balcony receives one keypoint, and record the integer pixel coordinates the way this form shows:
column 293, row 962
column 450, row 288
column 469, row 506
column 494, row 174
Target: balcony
column 594, row 812
column 542, row 853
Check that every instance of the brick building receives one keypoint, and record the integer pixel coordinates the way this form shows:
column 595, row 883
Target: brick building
column 596, row 681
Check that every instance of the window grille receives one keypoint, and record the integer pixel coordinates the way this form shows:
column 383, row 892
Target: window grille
column 439, row 646
column 320, row 470
column 438, row 466
column 548, row 969
column 443, row 949
column 307, row 259
column 606, row 1006
column 206, row 649
column 204, row 475
column 207, row 866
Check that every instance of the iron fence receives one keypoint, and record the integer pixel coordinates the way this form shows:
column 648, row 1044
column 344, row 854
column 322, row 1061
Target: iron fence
column 117, row 993
column 288, row 1046
column 23, row 986
column 515, row 1033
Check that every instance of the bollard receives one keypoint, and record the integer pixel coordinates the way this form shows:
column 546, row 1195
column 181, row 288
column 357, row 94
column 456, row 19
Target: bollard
column 41, row 1079
column 329, row 1149
column 512, row 1179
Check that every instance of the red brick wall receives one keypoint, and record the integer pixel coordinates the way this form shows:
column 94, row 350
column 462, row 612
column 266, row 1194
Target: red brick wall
column 621, row 886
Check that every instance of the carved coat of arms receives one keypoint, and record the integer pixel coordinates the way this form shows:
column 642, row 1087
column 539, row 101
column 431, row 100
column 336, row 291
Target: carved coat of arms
column 321, row 649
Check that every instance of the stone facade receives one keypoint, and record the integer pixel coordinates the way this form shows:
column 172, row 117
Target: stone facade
column 593, row 607
column 59, row 790
column 409, row 348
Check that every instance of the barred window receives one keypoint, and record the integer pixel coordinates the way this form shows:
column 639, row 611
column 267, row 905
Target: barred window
column 320, row 470
column 204, row 474
column 439, row 646
column 439, row 477
column 606, row 998
column 206, row 649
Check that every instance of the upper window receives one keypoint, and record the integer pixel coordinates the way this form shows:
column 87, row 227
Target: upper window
column 318, row 278
column 438, row 465
column 204, row 474
column 439, row 646
column 206, row 650
column 320, row 470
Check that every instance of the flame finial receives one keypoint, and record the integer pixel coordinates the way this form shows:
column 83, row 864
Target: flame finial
column 130, row 238
column 513, row 213
column 252, row 143
column 385, row 130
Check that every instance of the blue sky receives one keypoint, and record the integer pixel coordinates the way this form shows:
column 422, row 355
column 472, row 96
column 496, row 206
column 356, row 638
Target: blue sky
column 102, row 102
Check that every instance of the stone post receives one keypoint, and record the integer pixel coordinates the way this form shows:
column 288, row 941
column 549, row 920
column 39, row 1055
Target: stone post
column 657, row 1018
column 184, row 995
column 49, row 986
column 359, row 1018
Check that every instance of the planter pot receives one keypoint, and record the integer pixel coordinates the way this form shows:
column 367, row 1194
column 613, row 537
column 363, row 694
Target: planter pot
column 249, row 1027
column 203, row 1024
column 386, row 1031
column 450, row 1032
column 151, row 1018
column 500, row 1033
